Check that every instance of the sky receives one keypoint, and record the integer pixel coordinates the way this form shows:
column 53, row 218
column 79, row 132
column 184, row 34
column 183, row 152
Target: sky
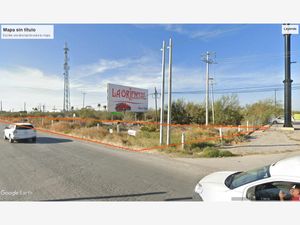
column 246, row 55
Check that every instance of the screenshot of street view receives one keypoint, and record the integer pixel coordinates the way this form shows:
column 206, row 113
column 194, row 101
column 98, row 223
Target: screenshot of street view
column 150, row 112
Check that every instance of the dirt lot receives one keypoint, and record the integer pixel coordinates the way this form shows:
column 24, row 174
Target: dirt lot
column 273, row 140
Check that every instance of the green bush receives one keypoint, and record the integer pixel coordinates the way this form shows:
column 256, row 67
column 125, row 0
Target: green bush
column 228, row 110
column 91, row 124
column 259, row 113
column 149, row 128
column 201, row 145
column 226, row 154
column 213, row 153
column 210, row 152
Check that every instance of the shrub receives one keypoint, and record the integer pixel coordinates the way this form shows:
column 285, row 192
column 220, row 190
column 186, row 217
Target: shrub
column 62, row 126
column 201, row 145
column 226, row 153
column 212, row 153
column 91, row 123
column 261, row 112
column 149, row 128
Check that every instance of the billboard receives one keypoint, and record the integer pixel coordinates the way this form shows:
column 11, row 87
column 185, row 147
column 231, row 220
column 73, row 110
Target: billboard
column 123, row 98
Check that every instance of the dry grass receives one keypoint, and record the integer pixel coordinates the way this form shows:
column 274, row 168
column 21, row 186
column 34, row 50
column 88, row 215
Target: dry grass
column 147, row 137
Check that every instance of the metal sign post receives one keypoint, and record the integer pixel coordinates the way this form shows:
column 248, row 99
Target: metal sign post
column 287, row 30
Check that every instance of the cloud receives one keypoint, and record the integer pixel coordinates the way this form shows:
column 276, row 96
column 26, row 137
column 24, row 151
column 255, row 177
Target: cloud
column 106, row 66
column 203, row 33
column 22, row 84
column 142, row 72
column 99, row 67
column 24, row 77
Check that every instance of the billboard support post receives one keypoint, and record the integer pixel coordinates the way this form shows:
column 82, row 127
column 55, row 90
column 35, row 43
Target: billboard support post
column 162, row 96
column 169, row 94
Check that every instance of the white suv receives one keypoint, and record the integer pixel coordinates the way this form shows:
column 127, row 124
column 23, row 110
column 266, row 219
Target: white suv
column 280, row 120
column 20, row 131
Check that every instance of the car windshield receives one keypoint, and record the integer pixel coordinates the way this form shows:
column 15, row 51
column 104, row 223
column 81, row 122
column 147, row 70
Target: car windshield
column 24, row 127
column 242, row 178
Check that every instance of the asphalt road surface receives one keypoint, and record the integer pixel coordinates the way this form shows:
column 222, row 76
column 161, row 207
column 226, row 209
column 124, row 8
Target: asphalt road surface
column 60, row 169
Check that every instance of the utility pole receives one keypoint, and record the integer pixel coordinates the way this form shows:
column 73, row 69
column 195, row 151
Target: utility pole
column 155, row 96
column 83, row 99
column 275, row 98
column 24, row 106
column 1, row 106
column 169, row 94
column 212, row 100
column 208, row 61
column 162, row 96
column 287, row 82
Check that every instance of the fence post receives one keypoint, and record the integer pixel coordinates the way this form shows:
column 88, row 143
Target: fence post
column 182, row 140
column 118, row 128
column 239, row 128
column 247, row 125
column 97, row 126
column 221, row 134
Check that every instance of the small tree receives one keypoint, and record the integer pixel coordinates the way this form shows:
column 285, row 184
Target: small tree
column 179, row 112
column 261, row 112
column 228, row 110
column 196, row 113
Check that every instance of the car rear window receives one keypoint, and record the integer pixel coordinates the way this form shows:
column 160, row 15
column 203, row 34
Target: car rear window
column 24, row 127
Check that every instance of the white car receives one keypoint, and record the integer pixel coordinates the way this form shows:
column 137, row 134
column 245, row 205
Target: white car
column 280, row 120
column 20, row 131
column 277, row 120
column 263, row 184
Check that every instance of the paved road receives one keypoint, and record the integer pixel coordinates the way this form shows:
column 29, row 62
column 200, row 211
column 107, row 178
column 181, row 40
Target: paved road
column 59, row 169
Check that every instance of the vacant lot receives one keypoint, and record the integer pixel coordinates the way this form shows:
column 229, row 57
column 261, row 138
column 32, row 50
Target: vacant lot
column 199, row 141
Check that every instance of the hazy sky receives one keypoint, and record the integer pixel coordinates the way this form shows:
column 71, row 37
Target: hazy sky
column 246, row 55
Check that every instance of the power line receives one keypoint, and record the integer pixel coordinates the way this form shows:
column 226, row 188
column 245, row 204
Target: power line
column 249, row 58
column 238, row 90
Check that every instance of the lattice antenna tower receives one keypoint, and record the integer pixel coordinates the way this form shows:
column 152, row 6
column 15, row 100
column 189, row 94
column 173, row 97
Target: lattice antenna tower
column 67, row 102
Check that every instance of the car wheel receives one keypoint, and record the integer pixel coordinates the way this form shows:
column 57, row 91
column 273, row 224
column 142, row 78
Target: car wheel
column 10, row 140
column 33, row 140
column 4, row 137
column 275, row 122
